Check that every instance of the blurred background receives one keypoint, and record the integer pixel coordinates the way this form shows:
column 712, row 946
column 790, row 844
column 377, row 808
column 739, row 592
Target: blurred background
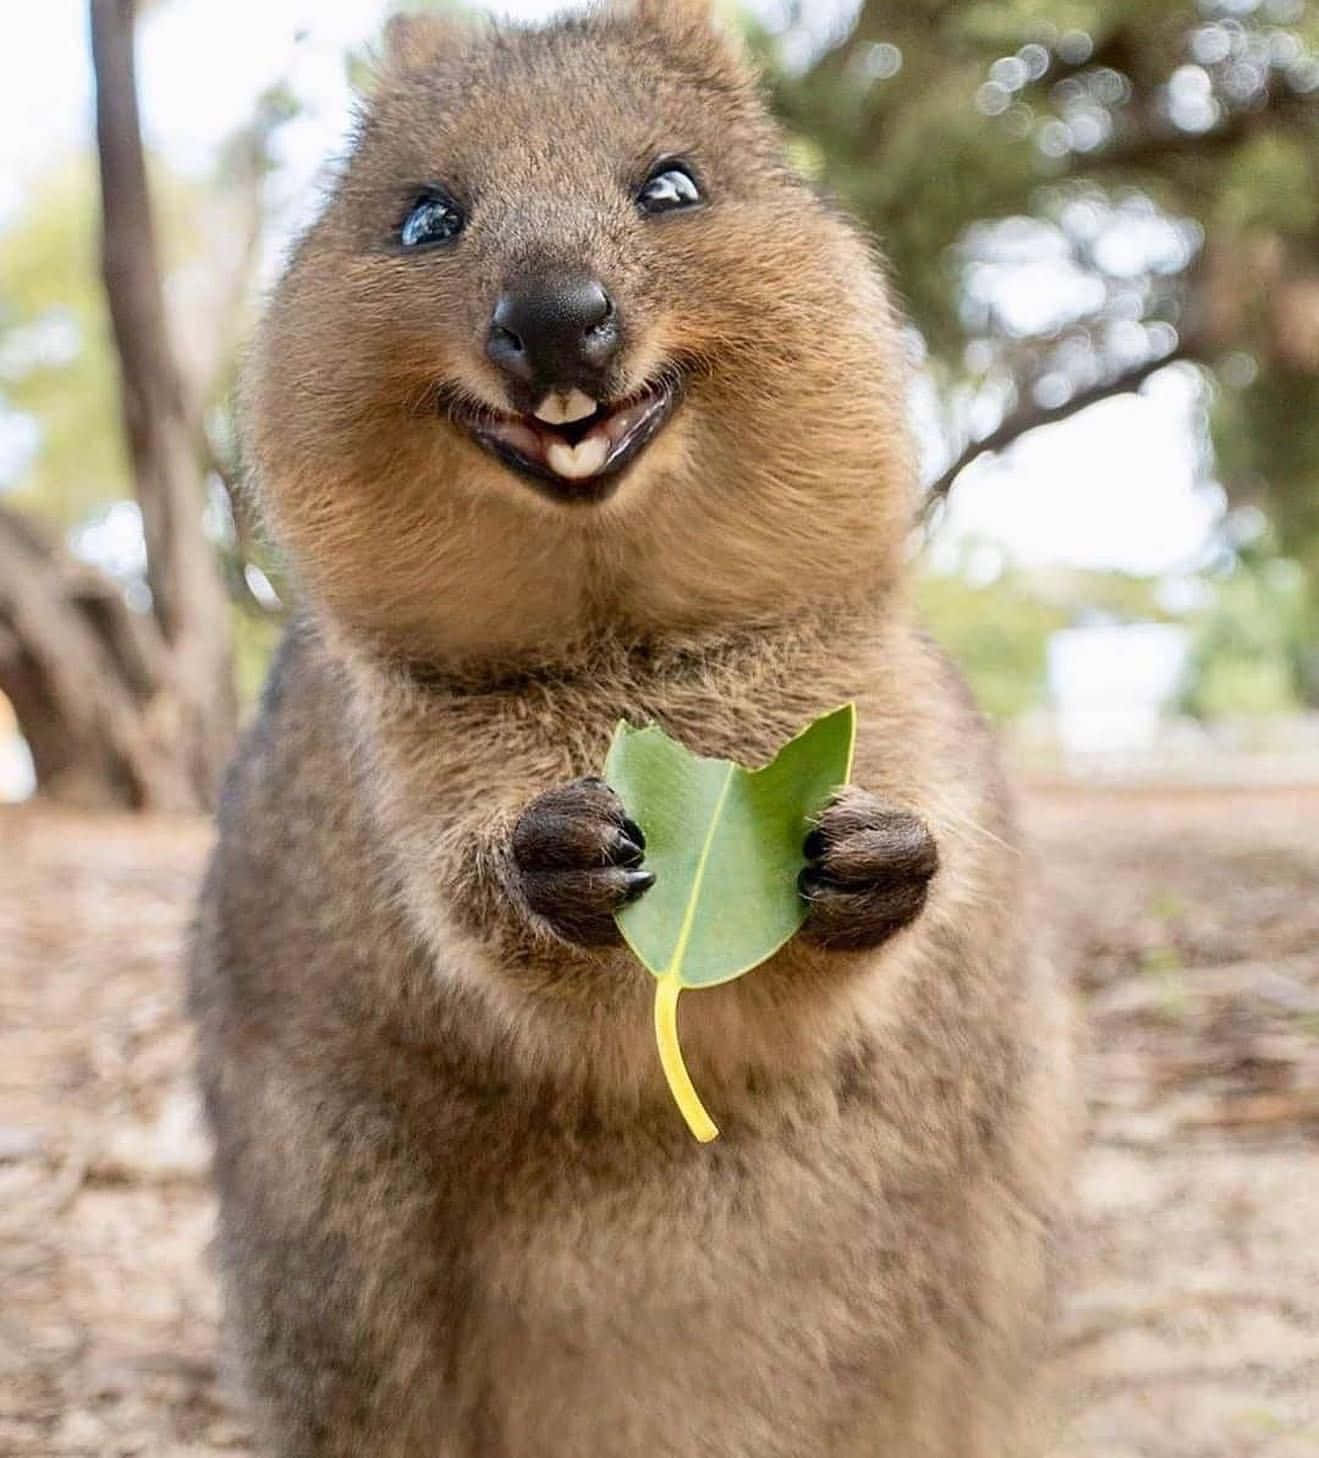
column 1102, row 217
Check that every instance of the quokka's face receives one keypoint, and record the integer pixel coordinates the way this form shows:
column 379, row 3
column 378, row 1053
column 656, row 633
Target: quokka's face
column 548, row 251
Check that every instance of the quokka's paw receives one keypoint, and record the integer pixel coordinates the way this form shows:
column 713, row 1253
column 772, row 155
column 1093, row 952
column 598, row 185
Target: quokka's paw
column 578, row 857
column 868, row 872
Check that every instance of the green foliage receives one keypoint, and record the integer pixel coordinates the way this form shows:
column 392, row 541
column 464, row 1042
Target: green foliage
column 1251, row 645
column 57, row 360
column 1231, row 683
column 1269, row 185
column 998, row 634
column 1268, row 434
column 938, row 119
column 907, row 151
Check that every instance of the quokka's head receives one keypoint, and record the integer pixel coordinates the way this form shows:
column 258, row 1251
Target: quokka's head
column 568, row 312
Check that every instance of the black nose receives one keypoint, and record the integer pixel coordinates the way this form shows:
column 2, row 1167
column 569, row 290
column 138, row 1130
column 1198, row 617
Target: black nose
column 554, row 332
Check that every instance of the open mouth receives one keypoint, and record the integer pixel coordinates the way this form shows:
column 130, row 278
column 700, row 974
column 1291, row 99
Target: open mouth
column 574, row 448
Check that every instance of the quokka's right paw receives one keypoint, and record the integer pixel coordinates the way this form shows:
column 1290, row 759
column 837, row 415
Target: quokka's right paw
column 868, row 872
column 578, row 858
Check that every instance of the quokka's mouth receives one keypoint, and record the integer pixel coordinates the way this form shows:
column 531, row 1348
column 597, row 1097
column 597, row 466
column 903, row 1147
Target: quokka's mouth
column 573, row 448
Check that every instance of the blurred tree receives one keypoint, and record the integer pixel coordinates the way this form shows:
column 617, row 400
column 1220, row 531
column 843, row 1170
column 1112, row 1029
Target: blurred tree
column 1251, row 650
column 1073, row 193
column 162, row 423
column 124, row 689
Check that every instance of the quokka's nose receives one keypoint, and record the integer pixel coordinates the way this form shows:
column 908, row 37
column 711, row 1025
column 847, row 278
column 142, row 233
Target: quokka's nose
column 554, row 332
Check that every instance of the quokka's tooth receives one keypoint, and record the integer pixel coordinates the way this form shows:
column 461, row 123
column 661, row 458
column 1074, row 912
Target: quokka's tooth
column 577, row 462
column 565, row 408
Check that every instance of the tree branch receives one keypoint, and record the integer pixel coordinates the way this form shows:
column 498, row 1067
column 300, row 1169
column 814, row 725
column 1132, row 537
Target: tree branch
column 1031, row 417
column 188, row 599
column 96, row 731
column 152, row 393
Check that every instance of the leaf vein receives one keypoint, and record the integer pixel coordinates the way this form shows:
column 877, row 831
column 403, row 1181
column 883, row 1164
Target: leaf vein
column 689, row 915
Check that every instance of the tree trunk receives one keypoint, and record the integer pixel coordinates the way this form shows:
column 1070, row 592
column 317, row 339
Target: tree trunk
column 89, row 681
column 189, row 603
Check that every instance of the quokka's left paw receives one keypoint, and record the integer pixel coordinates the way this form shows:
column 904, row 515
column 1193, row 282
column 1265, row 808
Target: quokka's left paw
column 868, row 872
column 578, row 858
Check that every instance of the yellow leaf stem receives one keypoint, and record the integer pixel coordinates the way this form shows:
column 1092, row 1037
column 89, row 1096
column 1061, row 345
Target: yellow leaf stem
column 684, row 1094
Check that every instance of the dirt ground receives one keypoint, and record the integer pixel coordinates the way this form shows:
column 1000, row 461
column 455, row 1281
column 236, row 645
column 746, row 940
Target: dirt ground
column 1190, row 922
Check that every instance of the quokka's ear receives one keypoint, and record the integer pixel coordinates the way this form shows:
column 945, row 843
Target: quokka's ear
column 411, row 42
column 695, row 23
column 682, row 12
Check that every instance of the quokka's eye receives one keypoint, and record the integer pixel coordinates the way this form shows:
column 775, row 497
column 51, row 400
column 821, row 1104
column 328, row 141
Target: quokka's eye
column 669, row 187
column 433, row 218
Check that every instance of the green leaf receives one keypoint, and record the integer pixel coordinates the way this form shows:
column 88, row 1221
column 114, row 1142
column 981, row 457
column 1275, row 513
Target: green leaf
column 725, row 844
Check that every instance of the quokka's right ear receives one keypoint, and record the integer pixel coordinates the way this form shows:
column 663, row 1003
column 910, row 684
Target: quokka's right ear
column 696, row 25
column 669, row 12
column 682, row 17
column 412, row 42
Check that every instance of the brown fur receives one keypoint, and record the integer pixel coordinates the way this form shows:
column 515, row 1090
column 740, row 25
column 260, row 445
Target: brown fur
column 460, row 1215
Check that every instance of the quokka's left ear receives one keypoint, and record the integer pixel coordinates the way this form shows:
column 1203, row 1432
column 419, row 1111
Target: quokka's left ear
column 412, row 42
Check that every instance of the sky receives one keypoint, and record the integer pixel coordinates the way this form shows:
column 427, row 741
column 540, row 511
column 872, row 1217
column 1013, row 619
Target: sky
column 1115, row 487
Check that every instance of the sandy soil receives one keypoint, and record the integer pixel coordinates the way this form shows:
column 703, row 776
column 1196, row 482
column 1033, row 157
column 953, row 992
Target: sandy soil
column 1190, row 922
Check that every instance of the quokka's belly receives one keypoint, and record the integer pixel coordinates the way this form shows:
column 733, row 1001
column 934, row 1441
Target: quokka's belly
column 795, row 1311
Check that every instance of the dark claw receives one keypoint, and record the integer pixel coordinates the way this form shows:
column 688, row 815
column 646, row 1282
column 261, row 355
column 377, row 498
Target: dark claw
column 625, row 850
column 811, row 880
column 867, row 874
column 579, row 858
column 637, row 883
